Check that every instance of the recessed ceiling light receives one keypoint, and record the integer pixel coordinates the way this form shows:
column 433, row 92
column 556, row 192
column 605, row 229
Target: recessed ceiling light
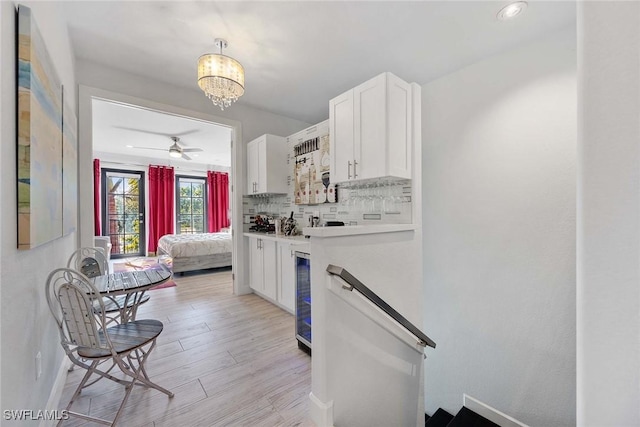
column 129, row 146
column 511, row 10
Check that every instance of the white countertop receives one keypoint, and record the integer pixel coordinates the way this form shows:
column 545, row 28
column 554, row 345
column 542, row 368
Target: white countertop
column 353, row 230
column 293, row 240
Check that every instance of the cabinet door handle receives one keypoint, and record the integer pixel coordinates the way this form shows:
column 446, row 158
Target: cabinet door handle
column 348, row 170
column 355, row 175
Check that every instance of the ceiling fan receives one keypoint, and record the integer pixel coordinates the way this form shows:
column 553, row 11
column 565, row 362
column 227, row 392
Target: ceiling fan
column 175, row 150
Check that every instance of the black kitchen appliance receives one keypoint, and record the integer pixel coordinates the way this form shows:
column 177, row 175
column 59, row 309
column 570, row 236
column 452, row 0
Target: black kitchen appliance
column 303, row 301
column 263, row 224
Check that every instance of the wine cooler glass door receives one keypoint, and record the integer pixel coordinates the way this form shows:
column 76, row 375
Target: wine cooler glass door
column 303, row 299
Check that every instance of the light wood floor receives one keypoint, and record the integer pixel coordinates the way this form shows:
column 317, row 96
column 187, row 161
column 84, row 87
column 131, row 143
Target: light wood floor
column 231, row 361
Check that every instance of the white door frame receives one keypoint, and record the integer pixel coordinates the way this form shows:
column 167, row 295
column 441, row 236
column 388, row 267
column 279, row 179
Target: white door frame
column 85, row 167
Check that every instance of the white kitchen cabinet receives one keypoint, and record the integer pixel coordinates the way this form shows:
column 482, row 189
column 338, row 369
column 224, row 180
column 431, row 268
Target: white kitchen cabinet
column 370, row 127
column 342, row 140
column 314, row 131
column 267, row 165
column 263, row 272
column 256, row 278
column 286, row 276
column 253, row 166
column 269, row 268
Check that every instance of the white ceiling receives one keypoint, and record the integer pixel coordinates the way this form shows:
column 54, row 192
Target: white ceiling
column 140, row 133
column 299, row 54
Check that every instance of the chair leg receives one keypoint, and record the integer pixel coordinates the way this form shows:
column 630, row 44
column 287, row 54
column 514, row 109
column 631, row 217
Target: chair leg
column 142, row 368
column 101, row 376
column 90, row 370
column 139, row 373
column 128, row 389
column 82, row 383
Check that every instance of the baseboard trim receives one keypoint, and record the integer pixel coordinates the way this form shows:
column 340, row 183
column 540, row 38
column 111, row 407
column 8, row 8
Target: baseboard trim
column 490, row 413
column 321, row 413
column 56, row 391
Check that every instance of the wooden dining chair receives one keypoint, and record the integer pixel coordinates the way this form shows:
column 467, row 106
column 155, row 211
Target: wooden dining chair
column 88, row 341
column 92, row 262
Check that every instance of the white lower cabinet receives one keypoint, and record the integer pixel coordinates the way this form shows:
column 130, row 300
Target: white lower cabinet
column 272, row 271
column 263, row 274
column 286, row 276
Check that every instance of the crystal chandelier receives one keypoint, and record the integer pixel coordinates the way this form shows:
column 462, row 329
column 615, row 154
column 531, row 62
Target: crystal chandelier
column 220, row 77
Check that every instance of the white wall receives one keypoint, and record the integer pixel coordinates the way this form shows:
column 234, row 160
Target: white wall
column 499, row 164
column 608, row 249
column 27, row 325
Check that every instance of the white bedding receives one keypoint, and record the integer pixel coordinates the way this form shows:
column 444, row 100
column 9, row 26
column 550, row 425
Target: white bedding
column 191, row 245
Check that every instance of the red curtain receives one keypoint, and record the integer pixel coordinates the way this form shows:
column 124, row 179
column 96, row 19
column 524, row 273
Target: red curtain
column 217, row 201
column 161, row 189
column 96, row 197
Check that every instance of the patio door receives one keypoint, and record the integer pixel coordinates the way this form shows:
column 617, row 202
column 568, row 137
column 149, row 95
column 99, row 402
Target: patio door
column 123, row 211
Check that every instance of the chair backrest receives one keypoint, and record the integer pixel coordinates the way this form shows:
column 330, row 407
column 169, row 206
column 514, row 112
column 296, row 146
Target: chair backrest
column 89, row 261
column 78, row 309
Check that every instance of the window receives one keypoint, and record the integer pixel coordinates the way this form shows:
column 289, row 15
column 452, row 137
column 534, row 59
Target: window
column 190, row 204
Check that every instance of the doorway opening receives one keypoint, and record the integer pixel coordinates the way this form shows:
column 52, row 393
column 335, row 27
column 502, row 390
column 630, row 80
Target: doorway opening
column 132, row 161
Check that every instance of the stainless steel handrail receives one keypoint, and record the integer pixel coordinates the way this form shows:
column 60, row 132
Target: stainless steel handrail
column 380, row 303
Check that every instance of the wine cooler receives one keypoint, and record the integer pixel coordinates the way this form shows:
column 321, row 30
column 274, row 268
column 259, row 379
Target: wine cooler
column 303, row 301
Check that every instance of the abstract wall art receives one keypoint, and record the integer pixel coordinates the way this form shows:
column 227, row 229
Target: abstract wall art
column 39, row 145
column 69, row 168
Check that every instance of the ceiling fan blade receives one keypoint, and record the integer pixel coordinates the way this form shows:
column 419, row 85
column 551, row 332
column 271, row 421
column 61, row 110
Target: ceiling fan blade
column 184, row 156
column 191, row 150
column 150, row 148
column 187, row 132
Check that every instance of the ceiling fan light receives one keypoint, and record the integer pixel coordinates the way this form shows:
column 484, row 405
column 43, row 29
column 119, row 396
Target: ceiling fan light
column 175, row 153
column 220, row 77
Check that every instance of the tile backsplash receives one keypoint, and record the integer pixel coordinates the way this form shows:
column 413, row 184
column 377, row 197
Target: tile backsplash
column 370, row 202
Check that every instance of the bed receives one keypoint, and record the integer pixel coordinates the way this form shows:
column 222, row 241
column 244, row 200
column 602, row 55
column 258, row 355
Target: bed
column 197, row 251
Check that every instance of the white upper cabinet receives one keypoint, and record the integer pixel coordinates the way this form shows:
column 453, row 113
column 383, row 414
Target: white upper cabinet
column 370, row 127
column 314, row 131
column 341, row 140
column 253, row 167
column 267, row 165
